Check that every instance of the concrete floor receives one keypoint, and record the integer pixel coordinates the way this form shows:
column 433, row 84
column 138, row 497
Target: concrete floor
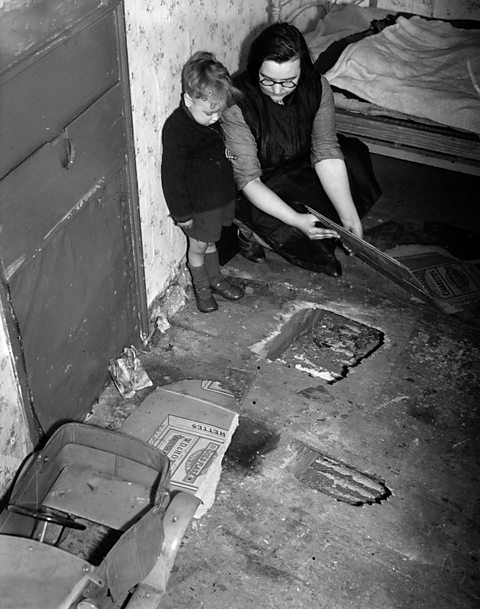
column 407, row 414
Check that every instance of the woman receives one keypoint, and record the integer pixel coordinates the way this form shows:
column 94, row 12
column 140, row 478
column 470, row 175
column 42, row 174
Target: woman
column 285, row 153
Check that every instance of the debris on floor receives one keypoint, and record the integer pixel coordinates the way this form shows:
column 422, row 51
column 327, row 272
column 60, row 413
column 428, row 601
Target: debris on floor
column 128, row 374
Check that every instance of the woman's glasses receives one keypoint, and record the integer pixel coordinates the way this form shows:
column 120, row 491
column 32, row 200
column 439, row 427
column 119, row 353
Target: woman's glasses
column 287, row 84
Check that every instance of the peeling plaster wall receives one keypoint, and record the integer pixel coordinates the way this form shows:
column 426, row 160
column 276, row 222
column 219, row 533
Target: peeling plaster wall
column 160, row 38
column 15, row 443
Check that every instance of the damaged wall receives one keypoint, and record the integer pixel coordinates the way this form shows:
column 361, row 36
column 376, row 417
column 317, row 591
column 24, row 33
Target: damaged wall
column 14, row 436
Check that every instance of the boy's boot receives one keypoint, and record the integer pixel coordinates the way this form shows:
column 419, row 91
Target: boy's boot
column 218, row 283
column 206, row 303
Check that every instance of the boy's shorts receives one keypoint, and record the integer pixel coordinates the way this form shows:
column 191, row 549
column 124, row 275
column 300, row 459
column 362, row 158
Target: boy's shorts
column 207, row 225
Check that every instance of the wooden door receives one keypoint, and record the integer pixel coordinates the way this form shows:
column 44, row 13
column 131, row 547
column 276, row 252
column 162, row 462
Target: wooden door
column 70, row 247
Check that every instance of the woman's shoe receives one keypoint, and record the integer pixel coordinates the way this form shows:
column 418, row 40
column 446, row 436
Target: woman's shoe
column 317, row 255
column 332, row 268
column 328, row 261
column 227, row 290
column 250, row 249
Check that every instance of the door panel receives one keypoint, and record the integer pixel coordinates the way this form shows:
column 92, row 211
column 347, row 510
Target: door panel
column 73, row 302
column 50, row 92
column 41, row 192
column 26, row 30
column 70, row 245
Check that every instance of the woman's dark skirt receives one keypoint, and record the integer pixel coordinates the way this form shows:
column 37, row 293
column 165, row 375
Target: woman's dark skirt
column 298, row 185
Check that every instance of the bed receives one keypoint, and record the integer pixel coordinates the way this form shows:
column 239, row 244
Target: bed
column 407, row 85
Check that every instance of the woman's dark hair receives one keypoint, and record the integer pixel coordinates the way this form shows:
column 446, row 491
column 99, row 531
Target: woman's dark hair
column 279, row 42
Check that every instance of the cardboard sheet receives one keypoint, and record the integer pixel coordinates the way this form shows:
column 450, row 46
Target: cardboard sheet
column 193, row 422
column 449, row 284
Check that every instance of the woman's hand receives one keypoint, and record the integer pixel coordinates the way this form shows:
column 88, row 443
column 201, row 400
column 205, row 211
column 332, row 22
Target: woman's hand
column 307, row 223
column 354, row 226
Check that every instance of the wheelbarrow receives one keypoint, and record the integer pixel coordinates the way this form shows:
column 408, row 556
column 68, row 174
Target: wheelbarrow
column 91, row 524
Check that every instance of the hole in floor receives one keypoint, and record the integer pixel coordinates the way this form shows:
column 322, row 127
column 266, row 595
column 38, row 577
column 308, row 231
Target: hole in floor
column 335, row 478
column 323, row 344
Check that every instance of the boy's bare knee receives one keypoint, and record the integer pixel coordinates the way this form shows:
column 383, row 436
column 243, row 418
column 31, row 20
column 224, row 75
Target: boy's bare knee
column 197, row 247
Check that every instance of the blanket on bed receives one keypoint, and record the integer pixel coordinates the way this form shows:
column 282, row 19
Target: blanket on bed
column 341, row 21
column 428, row 69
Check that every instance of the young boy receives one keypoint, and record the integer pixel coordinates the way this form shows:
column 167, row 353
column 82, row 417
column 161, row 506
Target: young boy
column 197, row 177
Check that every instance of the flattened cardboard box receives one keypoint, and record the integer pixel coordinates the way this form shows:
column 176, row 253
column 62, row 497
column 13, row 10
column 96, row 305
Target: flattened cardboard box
column 193, row 422
column 449, row 284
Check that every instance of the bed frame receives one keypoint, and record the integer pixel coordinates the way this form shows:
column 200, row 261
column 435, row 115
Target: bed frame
column 409, row 140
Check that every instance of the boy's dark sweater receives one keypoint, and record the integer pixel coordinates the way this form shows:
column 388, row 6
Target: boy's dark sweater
column 196, row 174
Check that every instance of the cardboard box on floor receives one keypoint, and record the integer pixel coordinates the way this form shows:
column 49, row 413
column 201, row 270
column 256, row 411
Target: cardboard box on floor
column 432, row 275
column 193, row 422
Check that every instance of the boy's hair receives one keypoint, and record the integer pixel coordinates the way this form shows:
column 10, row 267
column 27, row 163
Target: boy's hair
column 203, row 77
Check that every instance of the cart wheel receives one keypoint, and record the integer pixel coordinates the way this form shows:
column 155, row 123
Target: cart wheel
column 47, row 515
